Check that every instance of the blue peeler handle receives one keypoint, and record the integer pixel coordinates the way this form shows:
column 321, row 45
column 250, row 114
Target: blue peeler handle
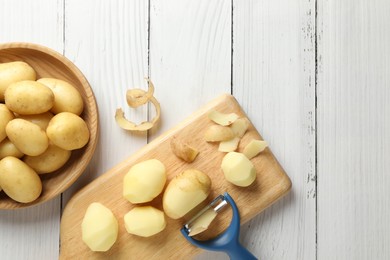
column 228, row 241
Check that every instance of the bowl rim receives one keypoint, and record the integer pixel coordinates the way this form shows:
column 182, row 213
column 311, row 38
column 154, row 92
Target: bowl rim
column 94, row 133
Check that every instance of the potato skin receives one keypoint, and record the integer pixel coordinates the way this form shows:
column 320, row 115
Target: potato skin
column 19, row 181
column 7, row 148
column 42, row 120
column 67, row 97
column 28, row 137
column 11, row 72
column 5, row 116
column 68, row 131
column 28, row 97
column 49, row 161
column 185, row 192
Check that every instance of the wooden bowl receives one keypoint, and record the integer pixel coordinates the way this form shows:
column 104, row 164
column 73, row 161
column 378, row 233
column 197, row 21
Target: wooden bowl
column 49, row 63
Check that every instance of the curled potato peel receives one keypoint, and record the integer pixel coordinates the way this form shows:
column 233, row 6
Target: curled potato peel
column 136, row 98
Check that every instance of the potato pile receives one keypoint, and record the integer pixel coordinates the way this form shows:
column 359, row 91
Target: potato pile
column 143, row 182
column 40, row 125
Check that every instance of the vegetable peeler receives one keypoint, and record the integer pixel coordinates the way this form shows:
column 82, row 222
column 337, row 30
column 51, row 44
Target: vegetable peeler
column 228, row 241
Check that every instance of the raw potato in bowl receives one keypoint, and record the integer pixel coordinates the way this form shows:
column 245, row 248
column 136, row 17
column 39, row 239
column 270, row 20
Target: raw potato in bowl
column 68, row 131
column 5, row 116
column 11, row 72
column 28, row 97
column 67, row 98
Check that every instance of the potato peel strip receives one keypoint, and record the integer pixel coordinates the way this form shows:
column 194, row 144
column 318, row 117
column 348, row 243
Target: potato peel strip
column 136, row 98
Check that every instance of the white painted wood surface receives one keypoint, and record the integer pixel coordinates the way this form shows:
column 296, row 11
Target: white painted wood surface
column 313, row 76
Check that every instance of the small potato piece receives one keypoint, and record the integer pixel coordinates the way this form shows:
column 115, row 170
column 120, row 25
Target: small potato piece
column 144, row 221
column 28, row 97
column 221, row 118
column 7, row 148
column 216, row 133
column 29, row 138
column 183, row 150
column 144, row 181
column 18, row 180
column 68, row 131
column 5, row 116
column 99, row 227
column 185, row 192
column 67, row 97
column 240, row 126
column 254, row 148
column 42, row 120
column 238, row 169
column 11, row 72
column 229, row 145
column 49, row 161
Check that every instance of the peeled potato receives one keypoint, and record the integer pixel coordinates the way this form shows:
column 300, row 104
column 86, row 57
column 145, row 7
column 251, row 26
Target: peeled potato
column 99, row 227
column 28, row 97
column 254, row 148
column 11, row 72
column 144, row 221
column 19, row 181
column 144, row 181
column 185, row 192
column 49, row 161
column 29, row 138
column 68, row 131
column 238, row 169
column 5, row 116
column 67, row 97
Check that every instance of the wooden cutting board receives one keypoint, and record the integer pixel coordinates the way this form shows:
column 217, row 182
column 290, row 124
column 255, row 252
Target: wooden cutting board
column 271, row 184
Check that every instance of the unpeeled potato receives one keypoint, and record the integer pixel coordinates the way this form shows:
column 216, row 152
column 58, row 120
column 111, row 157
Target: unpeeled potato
column 29, row 138
column 7, row 148
column 68, row 131
column 28, row 97
column 49, row 161
column 11, row 72
column 5, row 116
column 42, row 120
column 18, row 180
column 67, row 98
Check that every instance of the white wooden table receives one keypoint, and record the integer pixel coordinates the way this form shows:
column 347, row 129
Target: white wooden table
column 312, row 75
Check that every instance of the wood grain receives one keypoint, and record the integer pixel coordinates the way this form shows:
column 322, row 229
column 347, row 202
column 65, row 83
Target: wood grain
column 271, row 184
column 274, row 80
column 353, row 130
column 36, row 228
column 110, row 46
column 48, row 63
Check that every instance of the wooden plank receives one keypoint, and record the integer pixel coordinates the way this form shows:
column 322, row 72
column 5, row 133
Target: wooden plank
column 353, row 130
column 110, row 46
column 190, row 50
column 36, row 228
column 274, row 79
column 271, row 184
